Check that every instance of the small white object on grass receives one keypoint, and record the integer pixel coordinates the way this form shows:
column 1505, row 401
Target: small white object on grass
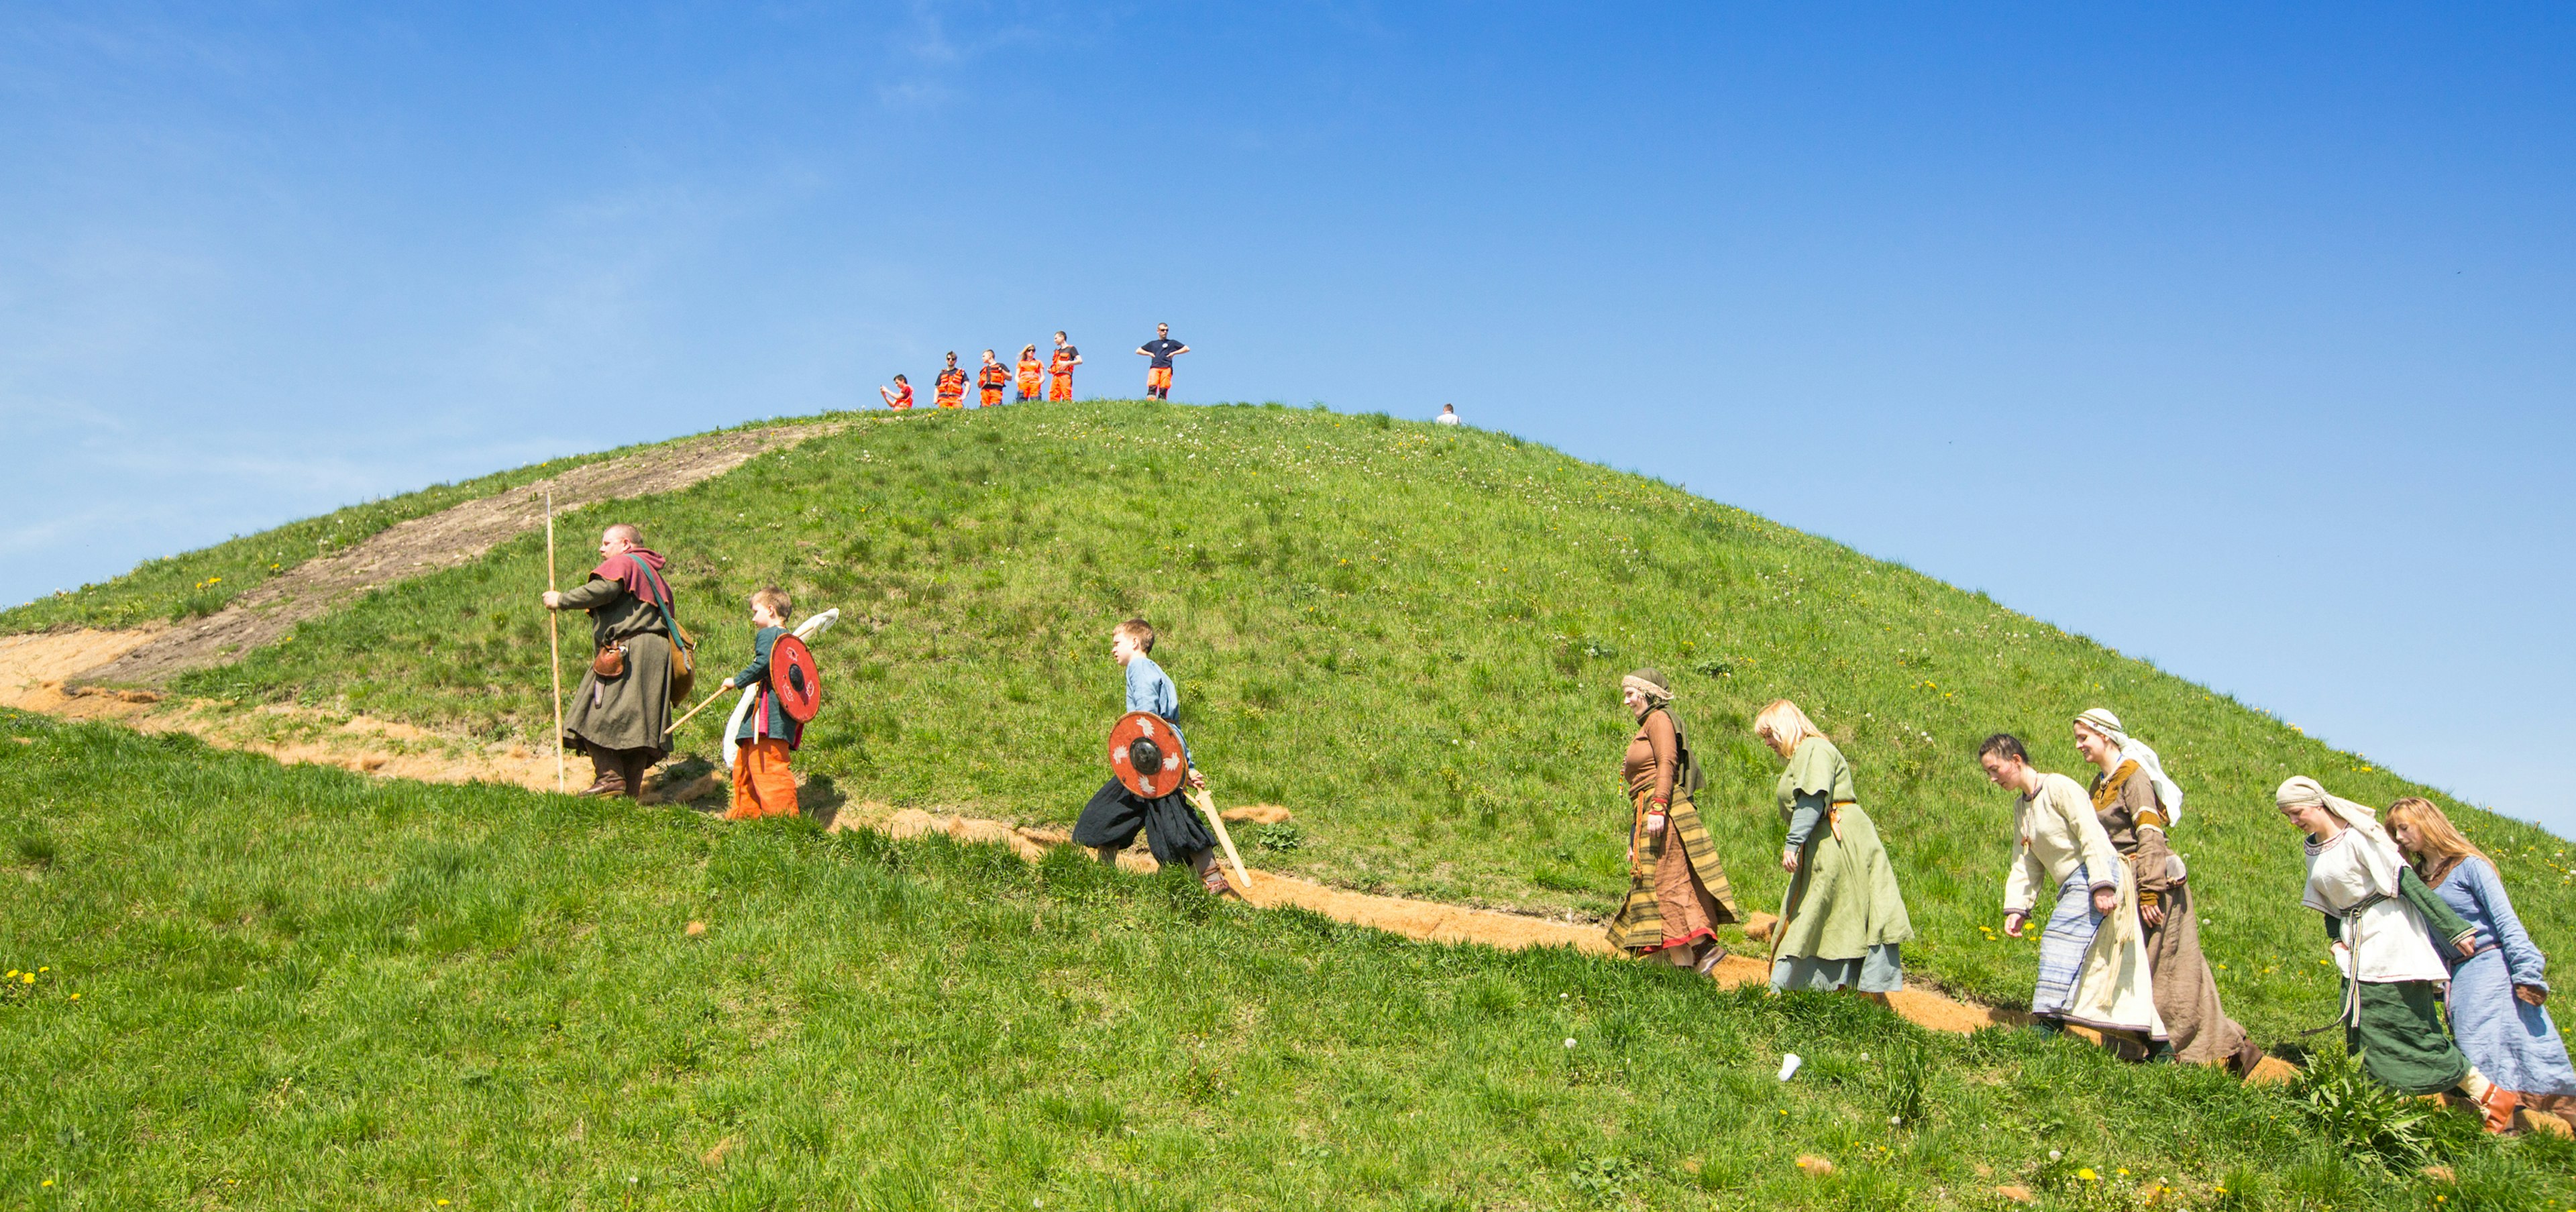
column 1789, row 1066
column 1569, row 1041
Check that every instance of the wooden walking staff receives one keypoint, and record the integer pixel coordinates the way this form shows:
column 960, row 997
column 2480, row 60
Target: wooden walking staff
column 721, row 691
column 554, row 641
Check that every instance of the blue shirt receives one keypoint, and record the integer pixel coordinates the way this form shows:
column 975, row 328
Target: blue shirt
column 1150, row 689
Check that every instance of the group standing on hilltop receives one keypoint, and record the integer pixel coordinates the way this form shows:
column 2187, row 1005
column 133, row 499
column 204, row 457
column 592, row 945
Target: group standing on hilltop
column 992, row 377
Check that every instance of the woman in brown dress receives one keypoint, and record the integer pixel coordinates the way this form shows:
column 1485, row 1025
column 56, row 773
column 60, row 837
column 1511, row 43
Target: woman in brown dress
column 2136, row 804
column 1677, row 893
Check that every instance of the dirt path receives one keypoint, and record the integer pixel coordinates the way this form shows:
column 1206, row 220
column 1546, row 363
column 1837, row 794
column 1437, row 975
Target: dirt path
column 442, row 540
column 387, row 749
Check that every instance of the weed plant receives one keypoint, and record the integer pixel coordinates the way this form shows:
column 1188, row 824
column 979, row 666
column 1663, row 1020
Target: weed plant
column 1409, row 635
column 269, row 987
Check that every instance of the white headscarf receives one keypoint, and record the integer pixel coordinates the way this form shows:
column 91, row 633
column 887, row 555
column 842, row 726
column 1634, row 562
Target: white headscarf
column 2379, row 855
column 2168, row 792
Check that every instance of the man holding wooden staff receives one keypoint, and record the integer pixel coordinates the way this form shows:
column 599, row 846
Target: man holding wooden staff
column 623, row 709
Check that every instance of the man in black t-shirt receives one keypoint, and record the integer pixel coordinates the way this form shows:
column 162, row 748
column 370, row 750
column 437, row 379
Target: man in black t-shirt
column 1158, row 373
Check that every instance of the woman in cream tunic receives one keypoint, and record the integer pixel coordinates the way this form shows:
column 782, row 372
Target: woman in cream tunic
column 2092, row 954
column 1842, row 918
column 2383, row 921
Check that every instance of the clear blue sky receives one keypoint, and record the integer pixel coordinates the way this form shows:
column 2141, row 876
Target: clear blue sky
column 2243, row 340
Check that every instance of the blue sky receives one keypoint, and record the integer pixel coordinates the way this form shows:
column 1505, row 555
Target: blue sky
column 2240, row 339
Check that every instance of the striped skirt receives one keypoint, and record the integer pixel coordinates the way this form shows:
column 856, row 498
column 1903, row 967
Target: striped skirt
column 1676, row 894
column 2063, row 944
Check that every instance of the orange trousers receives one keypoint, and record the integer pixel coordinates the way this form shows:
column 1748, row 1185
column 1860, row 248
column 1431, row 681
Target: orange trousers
column 1060, row 387
column 762, row 785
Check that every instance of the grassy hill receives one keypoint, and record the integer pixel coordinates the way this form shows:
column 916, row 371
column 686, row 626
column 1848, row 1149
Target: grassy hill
column 1409, row 635
column 268, row 987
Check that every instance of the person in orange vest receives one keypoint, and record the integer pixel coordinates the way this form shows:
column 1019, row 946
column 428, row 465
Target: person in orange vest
column 991, row 379
column 898, row 396
column 1060, row 369
column 952, row 384
column 1031, row 371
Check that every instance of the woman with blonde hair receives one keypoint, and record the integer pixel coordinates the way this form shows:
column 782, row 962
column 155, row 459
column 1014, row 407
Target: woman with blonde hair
column 2382, row 920
column 1677, row 892
column 2498, row 993
column 1842, row 918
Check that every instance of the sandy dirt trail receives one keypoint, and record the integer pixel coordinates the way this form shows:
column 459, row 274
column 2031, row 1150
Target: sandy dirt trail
column 31, row 679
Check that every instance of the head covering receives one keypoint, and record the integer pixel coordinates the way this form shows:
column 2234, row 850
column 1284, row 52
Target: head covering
column 2379, row 854
column 1650, row 682
column 2168, row 792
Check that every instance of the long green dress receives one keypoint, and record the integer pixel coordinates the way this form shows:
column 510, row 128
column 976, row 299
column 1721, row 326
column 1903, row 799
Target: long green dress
column 1843, row 917
column 629, row 714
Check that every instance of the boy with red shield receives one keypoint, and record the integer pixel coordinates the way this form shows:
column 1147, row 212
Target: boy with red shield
column 762, row 784
column 1111, row 821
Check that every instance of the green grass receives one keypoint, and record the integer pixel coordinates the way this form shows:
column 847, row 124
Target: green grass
column 300, row 988
column 1409, row 635
column 198, row 583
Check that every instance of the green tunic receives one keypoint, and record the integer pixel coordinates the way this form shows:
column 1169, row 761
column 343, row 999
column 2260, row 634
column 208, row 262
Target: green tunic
column 1843, row 901
column 632, row 710
column 2398, row 1032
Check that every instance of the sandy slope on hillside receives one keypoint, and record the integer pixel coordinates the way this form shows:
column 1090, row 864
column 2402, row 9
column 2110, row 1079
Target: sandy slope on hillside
column 420, row 546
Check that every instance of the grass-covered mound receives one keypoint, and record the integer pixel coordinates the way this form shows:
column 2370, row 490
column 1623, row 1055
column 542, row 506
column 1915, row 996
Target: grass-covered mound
column 1409, row 635
column 198, row 583
column 262, row 987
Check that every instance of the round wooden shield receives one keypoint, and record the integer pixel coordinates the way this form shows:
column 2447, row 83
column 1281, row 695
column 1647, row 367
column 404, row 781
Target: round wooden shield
column 1155, row 730
column 793, row 678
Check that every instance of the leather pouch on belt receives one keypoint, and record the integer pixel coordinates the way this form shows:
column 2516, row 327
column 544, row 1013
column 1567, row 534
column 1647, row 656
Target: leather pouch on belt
column 611, row 662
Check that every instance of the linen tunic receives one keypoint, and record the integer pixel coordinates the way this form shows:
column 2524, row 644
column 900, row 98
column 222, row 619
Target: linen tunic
column 1843, row 916
column 2058, row 834
column 2513, row 1044
column 2378, row 911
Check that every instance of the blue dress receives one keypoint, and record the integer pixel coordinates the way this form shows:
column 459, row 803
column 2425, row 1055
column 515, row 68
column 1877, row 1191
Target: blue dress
column 2511, row 1042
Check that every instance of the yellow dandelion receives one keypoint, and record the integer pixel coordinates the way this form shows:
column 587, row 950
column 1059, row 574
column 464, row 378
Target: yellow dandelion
column 2088, row 1175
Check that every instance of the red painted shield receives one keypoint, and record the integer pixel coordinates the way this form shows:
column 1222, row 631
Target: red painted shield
column 1147, row 726
column 793, row 678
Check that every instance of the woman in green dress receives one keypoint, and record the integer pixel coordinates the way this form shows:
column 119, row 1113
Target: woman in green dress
column 1843, row 917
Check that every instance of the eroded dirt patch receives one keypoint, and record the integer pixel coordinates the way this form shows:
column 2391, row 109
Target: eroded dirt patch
column 421, row 546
